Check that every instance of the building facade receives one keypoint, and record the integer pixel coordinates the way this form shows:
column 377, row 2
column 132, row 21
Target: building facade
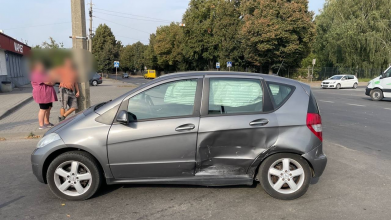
column 13, row 61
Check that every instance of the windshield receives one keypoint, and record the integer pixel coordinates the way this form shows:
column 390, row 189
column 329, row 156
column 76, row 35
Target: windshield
column 336, row 77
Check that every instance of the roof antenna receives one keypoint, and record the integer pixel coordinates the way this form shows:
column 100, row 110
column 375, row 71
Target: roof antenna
column 280, row 67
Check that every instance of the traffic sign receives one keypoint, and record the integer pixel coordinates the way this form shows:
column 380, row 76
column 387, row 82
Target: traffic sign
column 217, row 65
column 116, row 64
column 229, row 64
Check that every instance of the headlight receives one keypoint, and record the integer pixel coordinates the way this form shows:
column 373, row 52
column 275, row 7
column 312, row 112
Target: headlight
column 333, row 82
column 48, row 139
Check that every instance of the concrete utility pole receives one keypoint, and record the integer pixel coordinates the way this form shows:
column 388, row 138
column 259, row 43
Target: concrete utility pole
column 79, row 44
column 90, row 37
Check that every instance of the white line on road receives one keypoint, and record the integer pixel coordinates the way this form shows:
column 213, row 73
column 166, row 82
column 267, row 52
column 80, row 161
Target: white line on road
column 388, row 108
column 356, row 105
column 326, row 101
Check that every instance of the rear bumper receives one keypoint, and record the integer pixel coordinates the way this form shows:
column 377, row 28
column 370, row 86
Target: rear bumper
column 317, row 160
column 368, row 91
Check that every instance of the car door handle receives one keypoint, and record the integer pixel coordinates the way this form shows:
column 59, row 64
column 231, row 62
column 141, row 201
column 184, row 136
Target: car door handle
column 186, row 127
column 259, row 122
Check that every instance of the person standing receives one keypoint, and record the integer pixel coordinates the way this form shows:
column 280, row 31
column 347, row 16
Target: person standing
column 68, row 89
column 43, row 94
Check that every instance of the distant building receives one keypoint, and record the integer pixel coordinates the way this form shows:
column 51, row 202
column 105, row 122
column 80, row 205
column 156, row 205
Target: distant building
column 13, row 61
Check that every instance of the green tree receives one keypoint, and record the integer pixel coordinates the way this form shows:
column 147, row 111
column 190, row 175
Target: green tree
column 354, row 33
column 105, row 48
column 168, row 47
column 150, row 57
column 276, row 31
column 51, row 44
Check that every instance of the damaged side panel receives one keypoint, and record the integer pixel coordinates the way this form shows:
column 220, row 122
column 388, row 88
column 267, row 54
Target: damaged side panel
column 228, row 145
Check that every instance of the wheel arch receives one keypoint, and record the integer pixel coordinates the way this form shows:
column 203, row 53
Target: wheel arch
column 60, row 151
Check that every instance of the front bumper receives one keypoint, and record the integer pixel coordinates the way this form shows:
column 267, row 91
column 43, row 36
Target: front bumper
column 327, row 85
column 317, row 160
column 368, row 91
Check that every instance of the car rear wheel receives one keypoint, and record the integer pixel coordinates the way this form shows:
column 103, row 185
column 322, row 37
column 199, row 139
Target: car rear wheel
column 338, row 86
column 355, row 86
column 94, row 83
column 74, row 175
column 376, row 95
column 285, row 176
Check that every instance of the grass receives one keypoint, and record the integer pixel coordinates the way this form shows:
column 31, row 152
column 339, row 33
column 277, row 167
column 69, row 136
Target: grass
column 364, row 79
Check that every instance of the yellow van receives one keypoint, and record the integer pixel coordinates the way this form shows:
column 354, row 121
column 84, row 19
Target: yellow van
column 151, row 74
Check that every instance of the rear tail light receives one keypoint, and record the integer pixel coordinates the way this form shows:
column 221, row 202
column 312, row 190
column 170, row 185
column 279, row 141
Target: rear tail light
column 100, row 77
column 314, row 123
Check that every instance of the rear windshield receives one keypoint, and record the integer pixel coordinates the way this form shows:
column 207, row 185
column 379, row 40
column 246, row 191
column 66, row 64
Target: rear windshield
column 313, row 105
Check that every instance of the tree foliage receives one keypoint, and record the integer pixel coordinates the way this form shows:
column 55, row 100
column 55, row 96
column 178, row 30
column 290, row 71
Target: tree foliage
column 105, row 48
column 354, row 33
column 276, row 31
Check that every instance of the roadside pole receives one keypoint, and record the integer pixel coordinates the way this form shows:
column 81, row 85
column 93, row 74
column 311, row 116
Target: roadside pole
column 90, row 29
column 229, row 65
column 313, row 65
column 79, row 45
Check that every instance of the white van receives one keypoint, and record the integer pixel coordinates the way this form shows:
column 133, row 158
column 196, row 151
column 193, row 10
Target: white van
column 380, row 87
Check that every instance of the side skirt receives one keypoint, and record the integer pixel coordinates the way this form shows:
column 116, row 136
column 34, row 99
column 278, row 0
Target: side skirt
column 195, row 180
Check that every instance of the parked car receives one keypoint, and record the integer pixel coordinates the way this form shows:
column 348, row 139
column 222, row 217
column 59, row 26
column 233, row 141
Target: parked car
column 125, row 75
column 201, row 128
column 380, row 87
column 340, row 81
column 96, row 79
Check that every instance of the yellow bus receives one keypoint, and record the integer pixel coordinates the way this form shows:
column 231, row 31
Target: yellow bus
column 151, row 74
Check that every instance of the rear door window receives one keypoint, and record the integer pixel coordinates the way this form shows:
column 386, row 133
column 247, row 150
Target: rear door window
column 234, row 95
column 280, row 93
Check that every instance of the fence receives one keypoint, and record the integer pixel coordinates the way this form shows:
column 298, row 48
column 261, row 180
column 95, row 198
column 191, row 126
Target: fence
column 326, row 72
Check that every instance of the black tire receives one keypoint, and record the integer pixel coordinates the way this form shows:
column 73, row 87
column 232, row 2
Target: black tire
column 94, row 83
column 263, row 176
column 355, row 86
column 376, row 95
column 338, row 86
column 88, row 161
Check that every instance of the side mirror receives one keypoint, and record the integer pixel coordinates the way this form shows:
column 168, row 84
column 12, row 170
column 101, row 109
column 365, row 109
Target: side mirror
column 122, row 117
column 381, row 76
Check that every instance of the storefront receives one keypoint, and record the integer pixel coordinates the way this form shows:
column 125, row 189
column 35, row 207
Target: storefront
column 13, row 61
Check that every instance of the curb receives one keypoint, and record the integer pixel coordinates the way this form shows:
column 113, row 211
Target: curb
column 16, row 107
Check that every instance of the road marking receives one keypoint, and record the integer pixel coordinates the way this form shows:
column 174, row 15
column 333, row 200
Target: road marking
column 356, row 105
column 326, row 101
column 388, row 108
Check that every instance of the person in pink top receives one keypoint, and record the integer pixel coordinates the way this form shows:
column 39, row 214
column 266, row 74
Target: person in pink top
column 43, row 94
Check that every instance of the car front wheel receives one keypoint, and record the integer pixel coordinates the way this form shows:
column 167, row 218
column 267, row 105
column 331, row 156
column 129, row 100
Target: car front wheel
column 74, row 176
column 376, row 95
column 338, row 86
column 285, row 176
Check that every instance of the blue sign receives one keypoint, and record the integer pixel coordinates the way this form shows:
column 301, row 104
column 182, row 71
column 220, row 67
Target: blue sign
column 116, row 64
column 217, row 65
column 229, row 64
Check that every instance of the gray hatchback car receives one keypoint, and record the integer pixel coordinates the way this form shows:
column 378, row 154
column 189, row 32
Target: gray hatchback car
column 201, row 128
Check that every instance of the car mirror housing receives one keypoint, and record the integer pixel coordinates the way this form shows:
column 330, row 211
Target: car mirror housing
column 122, row 117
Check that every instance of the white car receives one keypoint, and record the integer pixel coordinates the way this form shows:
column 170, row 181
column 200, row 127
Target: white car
column 340, row 81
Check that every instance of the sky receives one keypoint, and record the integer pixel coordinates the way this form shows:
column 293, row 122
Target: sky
column 35, row 21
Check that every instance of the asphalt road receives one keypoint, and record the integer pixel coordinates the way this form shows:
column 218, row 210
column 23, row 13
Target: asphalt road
column 138, row 80
column 355, row 184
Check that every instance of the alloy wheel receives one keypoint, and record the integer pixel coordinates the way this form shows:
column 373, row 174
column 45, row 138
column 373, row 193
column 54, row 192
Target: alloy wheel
column 286, row 175
column 72, row 178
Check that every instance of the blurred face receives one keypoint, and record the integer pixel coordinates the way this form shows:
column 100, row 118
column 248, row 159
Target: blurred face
column 39, row 67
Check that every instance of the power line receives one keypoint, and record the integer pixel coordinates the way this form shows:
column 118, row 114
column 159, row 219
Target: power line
column 38, row 25
column 134, row 18
column 133, row 15
column 123, row 25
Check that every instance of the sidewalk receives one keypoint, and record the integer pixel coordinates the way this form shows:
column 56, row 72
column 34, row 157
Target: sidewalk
column 12, row 100
column 21, row 122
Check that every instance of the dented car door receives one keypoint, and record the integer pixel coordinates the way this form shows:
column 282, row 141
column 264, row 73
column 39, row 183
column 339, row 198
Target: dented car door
column 236, row 125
